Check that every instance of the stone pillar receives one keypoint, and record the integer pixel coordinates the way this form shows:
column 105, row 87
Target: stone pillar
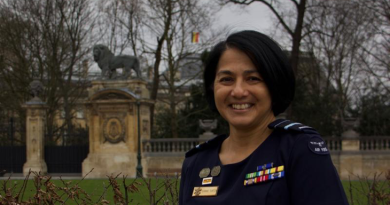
column 113, row 124
column 35, row 130
column 351, row 159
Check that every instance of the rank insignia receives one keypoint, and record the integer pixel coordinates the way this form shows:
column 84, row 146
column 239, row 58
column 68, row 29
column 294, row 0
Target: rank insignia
column 266, row 166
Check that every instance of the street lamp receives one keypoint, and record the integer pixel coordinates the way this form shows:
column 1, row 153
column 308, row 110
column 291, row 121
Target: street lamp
column 139, row 166
column 11, row 135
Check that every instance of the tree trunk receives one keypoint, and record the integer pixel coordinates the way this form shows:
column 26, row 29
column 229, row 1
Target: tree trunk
column 156, row 77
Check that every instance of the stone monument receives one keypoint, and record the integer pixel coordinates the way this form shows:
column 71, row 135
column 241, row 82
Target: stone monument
column 113, row 105
column 35, row 127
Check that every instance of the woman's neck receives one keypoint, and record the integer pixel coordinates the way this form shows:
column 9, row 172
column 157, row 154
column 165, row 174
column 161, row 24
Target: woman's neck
column 243, row 141
column 250, row 135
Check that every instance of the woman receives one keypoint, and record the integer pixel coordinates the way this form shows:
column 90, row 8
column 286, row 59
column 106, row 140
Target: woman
column 248, row 80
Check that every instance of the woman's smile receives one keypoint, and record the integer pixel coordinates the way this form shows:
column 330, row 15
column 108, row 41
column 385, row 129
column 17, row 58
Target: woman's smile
column 245, row 106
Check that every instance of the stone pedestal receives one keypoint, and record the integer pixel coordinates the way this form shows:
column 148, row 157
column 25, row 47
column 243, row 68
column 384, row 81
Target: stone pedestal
column 207, row 136
column 35, row 129
column 113, row 126
column 351, row 158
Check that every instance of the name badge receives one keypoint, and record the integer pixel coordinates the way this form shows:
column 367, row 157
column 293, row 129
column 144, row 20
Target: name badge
column 205, row 191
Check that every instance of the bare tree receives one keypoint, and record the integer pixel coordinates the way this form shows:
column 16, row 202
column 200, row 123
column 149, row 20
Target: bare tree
column 46, row 39
column 160, row 24
column 168, row 25
column 295, row 31
column 180, row 52
column 375, row 55
column 341, row 30
column 121, row 24
column 128, row 20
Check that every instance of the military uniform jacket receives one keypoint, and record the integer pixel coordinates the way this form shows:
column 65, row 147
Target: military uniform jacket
column 306, row 174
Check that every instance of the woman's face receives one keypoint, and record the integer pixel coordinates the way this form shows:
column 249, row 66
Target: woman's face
column 240, row 94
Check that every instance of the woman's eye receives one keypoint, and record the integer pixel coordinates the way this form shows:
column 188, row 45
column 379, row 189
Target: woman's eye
column 225, row 79
column 253, row 78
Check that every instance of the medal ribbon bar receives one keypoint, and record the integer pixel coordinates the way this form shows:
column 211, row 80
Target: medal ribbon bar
column 264, row 172
column 264, row 178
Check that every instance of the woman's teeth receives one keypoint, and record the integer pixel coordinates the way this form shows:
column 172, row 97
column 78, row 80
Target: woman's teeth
column 241, row 106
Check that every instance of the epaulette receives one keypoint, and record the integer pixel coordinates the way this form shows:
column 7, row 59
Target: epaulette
column 281, row 124
column 205, row 145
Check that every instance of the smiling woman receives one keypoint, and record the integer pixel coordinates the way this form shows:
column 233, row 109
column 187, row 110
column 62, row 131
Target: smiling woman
column 240, row 94
column 242, row 98
column 249, row 81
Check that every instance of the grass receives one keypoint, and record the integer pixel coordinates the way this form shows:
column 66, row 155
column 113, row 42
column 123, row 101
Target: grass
column 362, row 191
column 353, row 188
column 95, row 188
column 143, row 192
column 368, row 192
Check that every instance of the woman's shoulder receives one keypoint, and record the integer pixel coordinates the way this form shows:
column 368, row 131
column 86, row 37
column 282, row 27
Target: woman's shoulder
column 296, row 135
column 308, row 166
column 213, row 143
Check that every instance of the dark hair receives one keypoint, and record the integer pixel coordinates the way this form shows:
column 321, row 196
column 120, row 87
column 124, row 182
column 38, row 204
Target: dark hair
column 270, row 61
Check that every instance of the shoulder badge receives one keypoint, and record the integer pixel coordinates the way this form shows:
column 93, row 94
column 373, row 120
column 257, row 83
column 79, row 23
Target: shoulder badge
column 291, row 126
column 317, row 145
column 205, row 145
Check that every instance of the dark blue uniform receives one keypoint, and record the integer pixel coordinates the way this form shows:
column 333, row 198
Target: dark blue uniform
column 306, row 173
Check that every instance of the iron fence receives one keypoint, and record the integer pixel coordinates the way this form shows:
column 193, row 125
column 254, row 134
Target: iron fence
column 61, row 139
column 67, row 153
column 13, row 155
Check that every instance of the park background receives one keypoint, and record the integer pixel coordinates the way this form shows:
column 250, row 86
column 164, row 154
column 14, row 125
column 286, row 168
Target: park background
column 338, row 49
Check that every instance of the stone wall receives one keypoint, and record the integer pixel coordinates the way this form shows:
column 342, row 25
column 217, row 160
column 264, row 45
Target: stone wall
column 163, row 164
column 165, row 156
column 352, row 165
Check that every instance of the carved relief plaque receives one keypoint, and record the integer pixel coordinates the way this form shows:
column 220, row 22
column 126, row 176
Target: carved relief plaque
column 114, row 130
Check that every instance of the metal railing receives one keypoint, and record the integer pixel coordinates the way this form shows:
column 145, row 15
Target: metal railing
column 170, row 145
column 372, row 143
column 177, row 145
column 333, row 143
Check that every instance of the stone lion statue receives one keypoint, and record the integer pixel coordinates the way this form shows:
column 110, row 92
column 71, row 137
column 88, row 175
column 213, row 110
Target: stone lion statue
column 108, row 63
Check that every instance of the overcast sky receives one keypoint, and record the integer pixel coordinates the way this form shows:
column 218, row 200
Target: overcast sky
column 255, row 16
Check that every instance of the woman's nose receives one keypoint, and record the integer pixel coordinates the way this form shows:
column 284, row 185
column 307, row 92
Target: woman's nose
column 239, row 90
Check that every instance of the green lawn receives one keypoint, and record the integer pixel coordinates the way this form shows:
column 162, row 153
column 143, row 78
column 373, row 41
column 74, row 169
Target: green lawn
column 367, row 192
column 101, row 189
